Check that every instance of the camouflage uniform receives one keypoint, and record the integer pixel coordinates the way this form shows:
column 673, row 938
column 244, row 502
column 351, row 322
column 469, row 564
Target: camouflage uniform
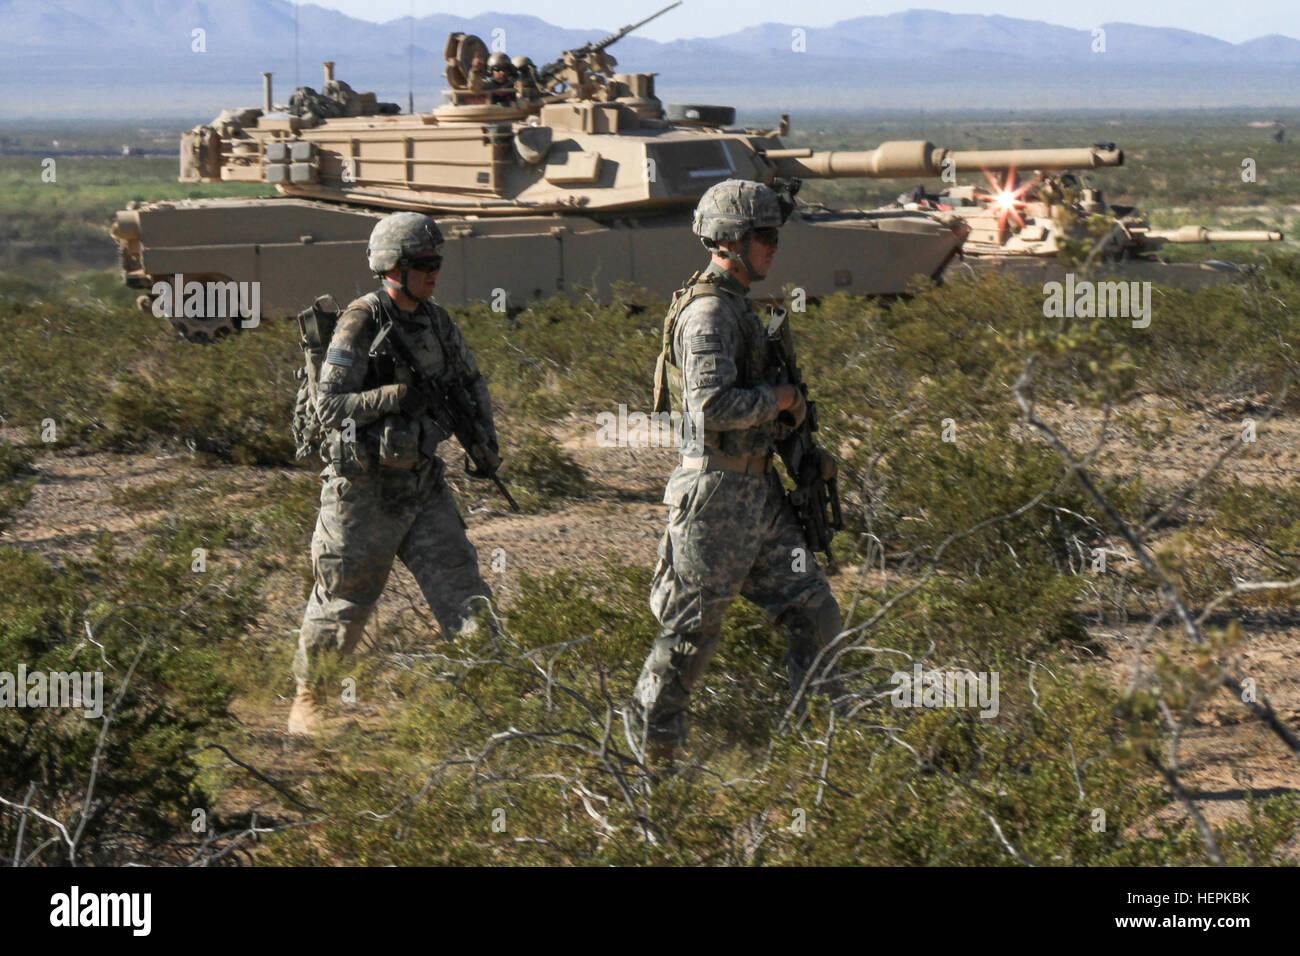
column 729, row 533
column 373, row 510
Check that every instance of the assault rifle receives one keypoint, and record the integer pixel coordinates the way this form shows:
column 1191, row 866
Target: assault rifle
column 452, row 407
column 816, row 499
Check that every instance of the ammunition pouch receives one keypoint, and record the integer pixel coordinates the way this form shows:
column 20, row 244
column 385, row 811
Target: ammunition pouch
column 399, row 442
column 351, row 458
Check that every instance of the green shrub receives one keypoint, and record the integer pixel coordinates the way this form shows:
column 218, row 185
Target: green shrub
column 512, row 749
column 543, row 469
column 153, row 629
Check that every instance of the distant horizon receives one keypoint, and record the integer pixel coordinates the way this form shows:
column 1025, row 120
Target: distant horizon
column 712, row 18
column 910, row 62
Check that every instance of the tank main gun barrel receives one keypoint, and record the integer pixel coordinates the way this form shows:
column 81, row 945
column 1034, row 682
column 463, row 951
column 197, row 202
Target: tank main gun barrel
column 1200, row 234
column 905, row 159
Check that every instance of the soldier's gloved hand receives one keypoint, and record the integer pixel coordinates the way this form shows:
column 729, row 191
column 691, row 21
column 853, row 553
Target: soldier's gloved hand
column 484, row 462
column 830, row 467
column 413, row 401
column 792, row 405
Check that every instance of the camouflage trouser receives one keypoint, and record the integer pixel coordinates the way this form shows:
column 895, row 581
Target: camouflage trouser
column 728, row 534
column 367, row 520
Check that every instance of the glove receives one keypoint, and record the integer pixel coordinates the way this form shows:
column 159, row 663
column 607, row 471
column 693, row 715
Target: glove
column 793, row 416
column 413, row 402
column 830, row 467
column 485, row 457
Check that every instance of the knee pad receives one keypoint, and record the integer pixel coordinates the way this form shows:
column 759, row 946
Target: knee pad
column 827, row 620
column 813, row 623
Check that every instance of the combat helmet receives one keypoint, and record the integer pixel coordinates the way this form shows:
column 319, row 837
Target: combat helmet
column 524, row 69
column 731, row 210
column 499, row 61
column 399, row 239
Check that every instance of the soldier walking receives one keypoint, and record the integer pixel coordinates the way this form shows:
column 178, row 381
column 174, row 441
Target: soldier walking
column 731, row 529
column 384, row 495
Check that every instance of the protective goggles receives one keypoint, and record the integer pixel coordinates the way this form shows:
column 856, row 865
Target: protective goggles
column 425, row 264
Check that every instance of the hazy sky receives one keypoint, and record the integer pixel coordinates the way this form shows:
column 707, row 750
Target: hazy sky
column 1235, row 22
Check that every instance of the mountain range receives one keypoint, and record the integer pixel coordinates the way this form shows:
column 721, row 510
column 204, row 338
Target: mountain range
column 144, row 59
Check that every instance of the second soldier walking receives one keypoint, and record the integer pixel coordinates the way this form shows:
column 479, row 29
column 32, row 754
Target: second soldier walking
column 732, row 532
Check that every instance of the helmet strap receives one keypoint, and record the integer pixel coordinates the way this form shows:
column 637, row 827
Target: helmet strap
column 406, row 291
column 743, row 257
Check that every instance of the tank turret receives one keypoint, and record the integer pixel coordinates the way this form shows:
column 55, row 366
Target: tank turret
column 558, row 153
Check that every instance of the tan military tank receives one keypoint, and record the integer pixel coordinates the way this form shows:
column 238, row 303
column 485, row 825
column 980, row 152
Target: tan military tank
column 1022, row 224
column 571, row 176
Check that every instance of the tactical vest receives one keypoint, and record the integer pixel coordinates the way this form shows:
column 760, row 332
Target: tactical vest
column 752, row 367
column 405, row 440
column 431, row 347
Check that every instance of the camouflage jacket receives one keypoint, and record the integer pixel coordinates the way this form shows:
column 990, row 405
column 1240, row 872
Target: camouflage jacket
column 720, row 347
column 365, row 389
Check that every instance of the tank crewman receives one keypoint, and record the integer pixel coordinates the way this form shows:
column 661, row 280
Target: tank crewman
column 731, row 528
column 526, row 83
column 500, row 79
column 384, row 495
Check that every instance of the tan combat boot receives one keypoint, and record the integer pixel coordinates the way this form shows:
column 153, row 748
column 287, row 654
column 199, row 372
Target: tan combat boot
column 304, row 718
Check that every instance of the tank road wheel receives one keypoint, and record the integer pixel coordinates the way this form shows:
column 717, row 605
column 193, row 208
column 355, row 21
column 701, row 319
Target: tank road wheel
column 200, row 329
column 203, row 331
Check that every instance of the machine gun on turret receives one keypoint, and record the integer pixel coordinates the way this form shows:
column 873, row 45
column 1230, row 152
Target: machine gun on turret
column 573, row 66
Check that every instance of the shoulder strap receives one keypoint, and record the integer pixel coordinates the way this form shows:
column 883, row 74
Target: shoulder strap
column 369, row 302
column 440, row 320
column 316, row 324
column 696, row 286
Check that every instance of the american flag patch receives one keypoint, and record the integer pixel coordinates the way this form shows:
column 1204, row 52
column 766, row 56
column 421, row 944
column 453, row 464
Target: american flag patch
column 706, row 342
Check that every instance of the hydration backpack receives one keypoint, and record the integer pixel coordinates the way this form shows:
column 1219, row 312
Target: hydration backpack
column 316, row 326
